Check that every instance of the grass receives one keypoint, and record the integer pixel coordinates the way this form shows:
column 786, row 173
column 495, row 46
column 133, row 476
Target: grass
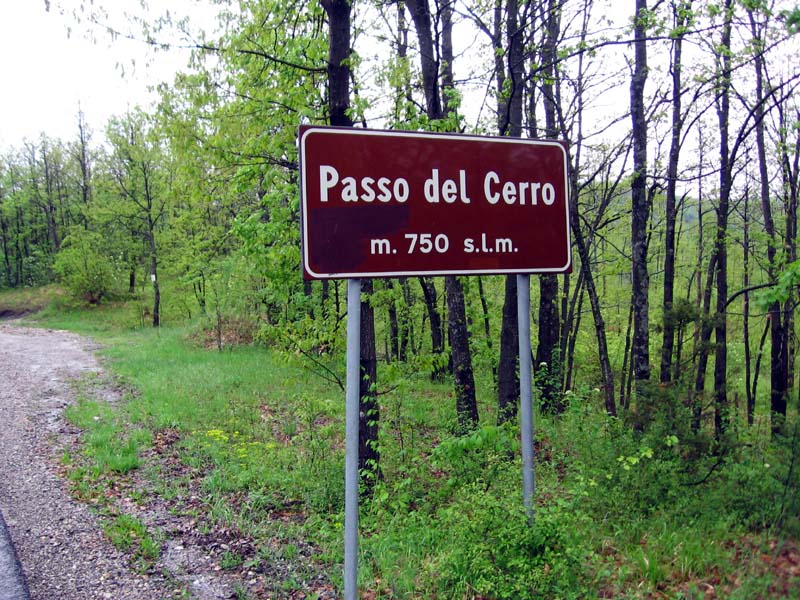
column 618, row 515
column 129, row 534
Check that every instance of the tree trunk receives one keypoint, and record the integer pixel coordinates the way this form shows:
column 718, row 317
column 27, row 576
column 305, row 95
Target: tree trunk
column 680, row 17
column 640, row 279
column 437, row 336
column 466, row 405
column 339, row 51
column 486, row 329
column 6, row 249
column 547, row 355
column 394, row 326
column 154, row 278
column 790, row 172
column 509, row 110
column 721, row 408
column 572, row 324
column 779, row 342
column 507, row 371
column 594, row 302
column 369, row 409
column 702, row 345
column 748, row 377
column 406, row 335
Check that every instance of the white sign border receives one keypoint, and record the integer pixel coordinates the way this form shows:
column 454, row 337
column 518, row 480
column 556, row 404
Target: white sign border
column 324, row 129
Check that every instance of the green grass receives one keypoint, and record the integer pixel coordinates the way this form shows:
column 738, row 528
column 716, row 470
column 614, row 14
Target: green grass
column 129, row 534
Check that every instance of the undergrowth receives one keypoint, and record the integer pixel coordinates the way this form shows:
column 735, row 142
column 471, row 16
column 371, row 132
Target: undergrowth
column 618, row 513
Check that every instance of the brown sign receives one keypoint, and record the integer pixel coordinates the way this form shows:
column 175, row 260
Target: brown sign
column 386, row 203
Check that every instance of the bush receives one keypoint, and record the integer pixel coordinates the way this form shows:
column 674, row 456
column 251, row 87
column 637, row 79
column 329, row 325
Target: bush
column 499, row 555
column 87, row 274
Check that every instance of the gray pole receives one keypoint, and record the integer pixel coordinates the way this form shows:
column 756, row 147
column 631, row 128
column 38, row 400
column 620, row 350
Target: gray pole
column 526, row 391
column 351, row 440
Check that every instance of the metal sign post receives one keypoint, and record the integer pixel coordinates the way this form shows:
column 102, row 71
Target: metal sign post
column 351, row 440
column 526, row 391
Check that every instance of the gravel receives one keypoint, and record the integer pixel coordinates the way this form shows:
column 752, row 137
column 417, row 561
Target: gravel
column 60, row 545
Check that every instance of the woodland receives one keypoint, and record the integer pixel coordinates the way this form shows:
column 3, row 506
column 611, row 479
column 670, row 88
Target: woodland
column 665, row 363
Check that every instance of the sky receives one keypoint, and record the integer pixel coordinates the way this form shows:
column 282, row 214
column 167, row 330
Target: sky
column 53, row 65
column 47, row 73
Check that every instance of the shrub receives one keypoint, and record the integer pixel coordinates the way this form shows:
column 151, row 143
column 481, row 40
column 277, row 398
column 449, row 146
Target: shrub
column 87, row 274
column 494, row 552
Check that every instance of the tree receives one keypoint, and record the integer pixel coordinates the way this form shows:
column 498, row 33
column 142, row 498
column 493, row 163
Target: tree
column 681, row 17
column 510, row 91
column 547, row 357
column 721, row 416
column 779, row 321
column 139, row 180
column 339, row 75
column 438, row 88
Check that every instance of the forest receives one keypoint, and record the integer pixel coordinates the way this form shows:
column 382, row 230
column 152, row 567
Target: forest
column 665, row 363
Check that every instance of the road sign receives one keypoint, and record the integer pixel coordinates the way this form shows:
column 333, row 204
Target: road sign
column 390, row 204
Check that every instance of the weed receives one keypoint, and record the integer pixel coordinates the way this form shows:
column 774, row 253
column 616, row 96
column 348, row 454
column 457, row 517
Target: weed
column 129, row 534
column 231, row 560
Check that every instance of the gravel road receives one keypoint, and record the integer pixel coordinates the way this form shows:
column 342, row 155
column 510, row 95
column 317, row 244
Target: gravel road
column 59, row 543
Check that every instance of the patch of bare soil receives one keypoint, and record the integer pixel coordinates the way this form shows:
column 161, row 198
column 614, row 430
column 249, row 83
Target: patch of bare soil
column 59, row 539
column 12, row 313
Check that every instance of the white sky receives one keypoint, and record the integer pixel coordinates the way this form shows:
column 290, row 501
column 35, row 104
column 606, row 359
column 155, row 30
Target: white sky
column 46, row 73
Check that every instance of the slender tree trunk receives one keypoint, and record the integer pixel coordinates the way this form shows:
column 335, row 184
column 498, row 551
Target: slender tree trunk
column 594, row 301
column 406, row 338
column 751, row 401
column 48, row 205
column 703, row 340
column 509, row 109
column 779, row 343
column 6, row 249
column 624, row 387
column 790, row 171
column 721, row 408
column 394, row 327
column 22, row 246
column 369, row 409
column 759, row 357
column 154, row 277
column 437, row 337
column 549, row 321
column 582, row 244
column 486, row 328
column 640, row 279
column 466, row 405
column 507, row 372
column 668, row 340
column 575, row 325
column 339, row 52
column 83, row 162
